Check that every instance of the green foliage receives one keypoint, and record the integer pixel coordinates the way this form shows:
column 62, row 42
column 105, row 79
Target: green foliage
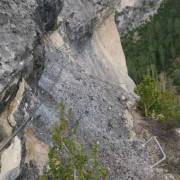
column 153, row 50
column 149, row 94
column 157, row 47
column 157, row 103
column 68, row 159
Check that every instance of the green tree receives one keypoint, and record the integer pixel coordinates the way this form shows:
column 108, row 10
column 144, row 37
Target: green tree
column 162, row 57
column 68, row 159
column 177, row 26
column 157, row 48
column 156, row 103
column 149, row 95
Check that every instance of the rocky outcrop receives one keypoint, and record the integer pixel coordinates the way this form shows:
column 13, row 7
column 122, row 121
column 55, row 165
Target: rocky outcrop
column 36, row 150
column 10, row 160
column 47, row 13
column 133, row 13
column 78, row 59
column 81, row 17
column 17, row 36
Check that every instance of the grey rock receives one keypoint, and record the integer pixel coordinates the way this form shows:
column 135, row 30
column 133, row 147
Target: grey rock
column 81, row 63
column 17, row 36
column 11, row 175
column 81, row 17
column 139, row 12
column 48, row 11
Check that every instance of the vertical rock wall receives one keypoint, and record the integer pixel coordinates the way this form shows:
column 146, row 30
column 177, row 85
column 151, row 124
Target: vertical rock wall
column 78, row 60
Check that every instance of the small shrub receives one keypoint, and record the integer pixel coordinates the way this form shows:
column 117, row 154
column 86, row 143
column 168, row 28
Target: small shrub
column 149, row 95
column 68, row 159
column 158, row 104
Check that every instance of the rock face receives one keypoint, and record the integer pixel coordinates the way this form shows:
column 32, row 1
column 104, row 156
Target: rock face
column 133, row 13
column 36, row 150
column 10, row 160
column 17, row 36
column 78, row 60
column 81, row 17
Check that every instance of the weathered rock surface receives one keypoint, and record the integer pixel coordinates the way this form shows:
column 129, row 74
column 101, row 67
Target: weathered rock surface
column 36, row 150
column 81, row 17
column 133, row 13
column 78, row 60
column 10, row 160
column 17, row 37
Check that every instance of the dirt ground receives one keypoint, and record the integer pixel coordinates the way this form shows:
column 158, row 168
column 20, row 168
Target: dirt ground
column 168, row 137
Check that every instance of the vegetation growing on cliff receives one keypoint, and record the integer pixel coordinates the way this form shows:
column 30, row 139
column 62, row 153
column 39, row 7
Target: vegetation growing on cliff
column 157, row 103
column 154, row 50
column 68, row 159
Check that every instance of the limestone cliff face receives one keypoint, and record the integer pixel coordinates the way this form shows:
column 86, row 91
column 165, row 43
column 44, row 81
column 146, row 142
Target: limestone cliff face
column 78, row 60
column 133, row 13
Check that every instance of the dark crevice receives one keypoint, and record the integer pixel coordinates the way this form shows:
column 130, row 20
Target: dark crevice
column 47, row 13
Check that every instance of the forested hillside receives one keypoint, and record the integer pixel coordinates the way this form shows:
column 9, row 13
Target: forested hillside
column 154, row 48
column 153, row 59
